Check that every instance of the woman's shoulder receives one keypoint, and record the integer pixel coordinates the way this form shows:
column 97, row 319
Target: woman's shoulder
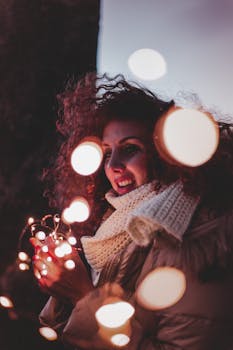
column 206, row 249
column 205, row 221
column 208, row 245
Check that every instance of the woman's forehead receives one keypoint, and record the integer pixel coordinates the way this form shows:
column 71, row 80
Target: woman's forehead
column 118, row 129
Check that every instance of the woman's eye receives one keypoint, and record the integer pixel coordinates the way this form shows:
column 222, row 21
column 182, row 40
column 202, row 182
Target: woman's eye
column 131, row 149
column 107, row 155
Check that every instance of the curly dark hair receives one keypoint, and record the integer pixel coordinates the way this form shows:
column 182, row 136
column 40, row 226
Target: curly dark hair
column 84, row 110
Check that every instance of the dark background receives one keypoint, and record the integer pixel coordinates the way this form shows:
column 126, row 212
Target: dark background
column 43, row 43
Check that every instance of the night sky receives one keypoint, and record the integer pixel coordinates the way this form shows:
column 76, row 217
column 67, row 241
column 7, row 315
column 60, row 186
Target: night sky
column 43, row 43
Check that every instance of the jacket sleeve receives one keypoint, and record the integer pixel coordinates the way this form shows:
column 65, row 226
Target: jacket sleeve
column 83, row 332
column 55, row 314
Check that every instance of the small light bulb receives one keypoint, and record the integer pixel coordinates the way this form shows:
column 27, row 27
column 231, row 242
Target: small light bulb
column 33, row 228
column 49, row 259
column 69, row 264
column 6, row 302
column 120, row 339
column 44, row 272
column 24, row 266
column 40, row 235
column 30, row 220
column 48, row 333
column 72, row 240
column 59, row 252
column 66, row 248
column 45, row 249
column 56, row 219
column 23, row 256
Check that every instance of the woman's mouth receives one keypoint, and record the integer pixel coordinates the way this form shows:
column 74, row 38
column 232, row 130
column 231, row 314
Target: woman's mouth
column 124, row 186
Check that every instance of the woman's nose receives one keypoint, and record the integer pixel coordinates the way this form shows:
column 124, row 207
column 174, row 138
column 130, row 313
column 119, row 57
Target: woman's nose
column 115, row 162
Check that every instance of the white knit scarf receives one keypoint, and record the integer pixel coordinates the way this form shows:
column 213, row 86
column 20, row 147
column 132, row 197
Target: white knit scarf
column 138, row 215
column 112, row 237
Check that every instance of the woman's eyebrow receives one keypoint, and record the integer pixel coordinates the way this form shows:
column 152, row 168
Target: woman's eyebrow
column 130, row 137
column 124, row 140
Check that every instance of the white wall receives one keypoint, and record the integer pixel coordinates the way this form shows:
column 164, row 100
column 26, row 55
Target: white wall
column 194, row 36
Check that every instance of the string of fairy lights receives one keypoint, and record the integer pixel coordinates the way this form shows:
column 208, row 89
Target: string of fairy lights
column 185, row 136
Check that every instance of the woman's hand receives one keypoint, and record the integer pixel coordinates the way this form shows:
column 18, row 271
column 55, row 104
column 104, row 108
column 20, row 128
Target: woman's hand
column 52, row 275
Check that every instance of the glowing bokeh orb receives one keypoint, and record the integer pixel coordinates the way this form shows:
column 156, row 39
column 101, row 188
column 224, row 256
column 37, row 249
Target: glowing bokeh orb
column 6, row 302
column 86, row 158
column 24, row 266
column 114, row 315
column 78, row 211
column 45, row 248
column 147, row 64
column 161, row 288
column 40, row 235
column 59, row 252
column 23, row 256
column 120, row 339
column 69, row 264
column 63, row 249
column 44, row 272
column 56, row 218
column 188, row 136
column 30, row 220
column 48, row 333
column 66, row 247
column 72, row 240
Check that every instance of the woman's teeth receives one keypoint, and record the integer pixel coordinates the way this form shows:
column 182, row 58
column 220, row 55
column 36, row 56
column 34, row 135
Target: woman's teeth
column 125, row 183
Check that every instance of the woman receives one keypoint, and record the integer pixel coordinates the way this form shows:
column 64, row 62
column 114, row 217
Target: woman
column 153, row 214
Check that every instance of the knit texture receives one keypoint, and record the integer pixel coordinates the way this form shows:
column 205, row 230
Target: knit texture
column 112, row 237
column 170, row 210
column 138, row 215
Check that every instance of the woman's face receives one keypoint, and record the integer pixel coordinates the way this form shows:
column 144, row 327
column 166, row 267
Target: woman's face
column 127, row 164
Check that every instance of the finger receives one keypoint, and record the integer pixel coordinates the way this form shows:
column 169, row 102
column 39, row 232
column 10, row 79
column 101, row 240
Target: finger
column 39, row 264
column 35, row 242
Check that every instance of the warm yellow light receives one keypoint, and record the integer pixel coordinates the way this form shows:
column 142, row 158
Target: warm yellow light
column 147, row 64
column 69, row 264
column 23, row 256
column 40, row 235
column 187, row 136
column 6, row 302
column 66, row 247
column 161, row 288
column 114, row 315
column 120, row 339
column 78, row 211
column 45, row 248
column 48, row 333
column 56, row 219
column 30, row 220
column 44, row 272
column 59, row 252
column 72, row 240
column 24, row 266
column 86, row 158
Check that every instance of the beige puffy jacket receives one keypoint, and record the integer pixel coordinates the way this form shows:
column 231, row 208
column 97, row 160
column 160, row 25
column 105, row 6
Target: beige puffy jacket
column 201, row 320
